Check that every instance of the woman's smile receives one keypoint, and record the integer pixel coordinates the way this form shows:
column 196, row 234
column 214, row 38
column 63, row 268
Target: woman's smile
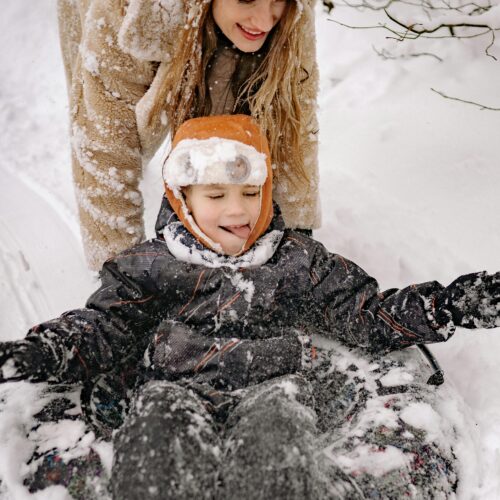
column 251, row 34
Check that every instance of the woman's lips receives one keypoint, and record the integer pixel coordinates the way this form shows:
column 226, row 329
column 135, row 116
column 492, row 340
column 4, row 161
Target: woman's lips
column 241, row 231
column 251, row 34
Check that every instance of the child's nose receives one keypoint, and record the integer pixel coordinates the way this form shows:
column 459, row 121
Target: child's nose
column 235, row 205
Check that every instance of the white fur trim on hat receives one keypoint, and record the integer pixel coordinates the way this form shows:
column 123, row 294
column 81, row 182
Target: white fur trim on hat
column 214, row 161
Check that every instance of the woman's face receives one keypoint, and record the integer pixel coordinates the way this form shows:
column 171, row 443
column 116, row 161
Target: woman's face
column 247, row 23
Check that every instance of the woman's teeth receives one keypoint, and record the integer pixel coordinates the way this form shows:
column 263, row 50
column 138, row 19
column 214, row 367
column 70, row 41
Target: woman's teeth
column 251, row 34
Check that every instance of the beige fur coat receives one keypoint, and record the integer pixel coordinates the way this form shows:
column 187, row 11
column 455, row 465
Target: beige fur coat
column 114, row 60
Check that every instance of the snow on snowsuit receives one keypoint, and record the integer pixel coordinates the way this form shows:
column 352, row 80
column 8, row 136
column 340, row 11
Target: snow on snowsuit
column 115, row 61
column 266, row 444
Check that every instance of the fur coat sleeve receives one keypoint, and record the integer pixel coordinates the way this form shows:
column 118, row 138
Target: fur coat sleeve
column 105, row 84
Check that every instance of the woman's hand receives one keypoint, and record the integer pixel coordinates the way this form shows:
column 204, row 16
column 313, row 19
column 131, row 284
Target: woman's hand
column 471, row 301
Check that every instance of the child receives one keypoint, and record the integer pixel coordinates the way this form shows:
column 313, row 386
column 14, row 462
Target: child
column 219, row 310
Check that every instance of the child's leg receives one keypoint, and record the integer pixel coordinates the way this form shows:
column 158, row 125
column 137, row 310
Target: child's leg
column 167, row 447
column 271, row 451
column 380, row 425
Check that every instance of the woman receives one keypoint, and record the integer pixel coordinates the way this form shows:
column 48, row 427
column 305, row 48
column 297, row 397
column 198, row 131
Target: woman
column 137, row 69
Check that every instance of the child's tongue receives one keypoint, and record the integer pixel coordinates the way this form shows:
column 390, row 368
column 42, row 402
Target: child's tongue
column 242, row 231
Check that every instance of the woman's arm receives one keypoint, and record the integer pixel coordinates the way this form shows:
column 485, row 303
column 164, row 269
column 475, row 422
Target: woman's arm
column 105, row 85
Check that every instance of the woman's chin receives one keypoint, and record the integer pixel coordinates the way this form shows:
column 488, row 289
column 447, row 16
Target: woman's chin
column 245, row 45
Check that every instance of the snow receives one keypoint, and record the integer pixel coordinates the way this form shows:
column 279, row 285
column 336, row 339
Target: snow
column 409, row 185
column 365, row 458
column 9, row 369
column 397, row 376
column 245, row 286
column 422, row 416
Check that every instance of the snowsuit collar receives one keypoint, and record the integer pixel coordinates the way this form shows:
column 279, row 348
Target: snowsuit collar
column 185, row 247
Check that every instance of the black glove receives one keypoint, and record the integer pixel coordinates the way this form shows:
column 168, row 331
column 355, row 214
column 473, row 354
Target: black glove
column 471, row 301
column 27, row 359
column 179, row 352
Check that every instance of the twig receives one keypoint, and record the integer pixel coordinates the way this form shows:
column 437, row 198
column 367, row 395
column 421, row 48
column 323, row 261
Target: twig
column 329, row 5
column 486, row 50
column 452, row 26
column 413, row 35
column 481, row 106
column 424, row 4
column 386, row 55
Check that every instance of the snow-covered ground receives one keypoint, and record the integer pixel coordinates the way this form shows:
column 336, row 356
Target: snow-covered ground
column 410, row 188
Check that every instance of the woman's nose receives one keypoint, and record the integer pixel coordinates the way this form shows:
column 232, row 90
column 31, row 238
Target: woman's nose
column 263, row 17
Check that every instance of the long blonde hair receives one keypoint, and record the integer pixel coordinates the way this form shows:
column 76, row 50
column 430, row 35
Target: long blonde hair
column 271, row 92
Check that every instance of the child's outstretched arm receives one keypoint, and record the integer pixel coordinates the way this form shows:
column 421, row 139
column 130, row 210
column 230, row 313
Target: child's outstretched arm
column 112, row 330
column 353, row 309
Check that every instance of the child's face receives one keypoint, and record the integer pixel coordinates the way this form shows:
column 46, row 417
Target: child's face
column 226, row 213
column 247, row 23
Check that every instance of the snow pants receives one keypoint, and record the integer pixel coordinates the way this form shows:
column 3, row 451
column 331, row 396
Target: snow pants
column 351, row 427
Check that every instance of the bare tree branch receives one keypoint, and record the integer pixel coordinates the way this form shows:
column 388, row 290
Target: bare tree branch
column 432, row 20
column 413, row 35
column 481, row 106
column 450, row 26
column 329, row 5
